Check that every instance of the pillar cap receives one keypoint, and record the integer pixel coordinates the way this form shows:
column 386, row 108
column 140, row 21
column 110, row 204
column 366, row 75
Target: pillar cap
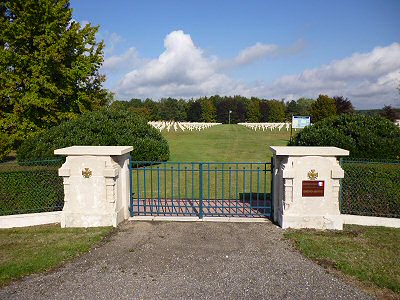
column 308, row 151
column 93, row 150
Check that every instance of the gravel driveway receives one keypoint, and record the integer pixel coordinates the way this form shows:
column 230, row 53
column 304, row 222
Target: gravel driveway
column 178, row 260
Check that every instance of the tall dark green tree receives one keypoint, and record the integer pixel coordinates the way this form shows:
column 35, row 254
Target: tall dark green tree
column 49, row 66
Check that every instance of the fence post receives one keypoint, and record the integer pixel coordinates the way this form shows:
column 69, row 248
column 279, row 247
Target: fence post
column 200, row 190
column 130, row 188
column 96, row 185
column 306, row 187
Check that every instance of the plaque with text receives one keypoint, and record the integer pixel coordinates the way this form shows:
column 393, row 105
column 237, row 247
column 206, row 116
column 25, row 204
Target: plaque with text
column 313, row 188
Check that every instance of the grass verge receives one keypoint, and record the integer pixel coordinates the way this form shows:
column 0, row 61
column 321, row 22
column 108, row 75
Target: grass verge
column 36, row 249
column 371, row 254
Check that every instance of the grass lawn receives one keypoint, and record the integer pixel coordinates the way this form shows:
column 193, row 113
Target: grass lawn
column 371, row 254
column 224, row 143
column 30, row 250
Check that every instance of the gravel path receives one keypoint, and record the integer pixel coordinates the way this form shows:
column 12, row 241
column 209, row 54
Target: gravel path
column 178, row 260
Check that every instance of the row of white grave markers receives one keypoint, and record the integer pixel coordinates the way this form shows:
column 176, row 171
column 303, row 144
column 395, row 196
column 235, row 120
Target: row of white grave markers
column 266, row 126
column 172, row 125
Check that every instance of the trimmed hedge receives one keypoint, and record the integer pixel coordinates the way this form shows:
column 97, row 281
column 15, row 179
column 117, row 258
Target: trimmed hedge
column 371, row 189
column 364, row 136
column 99, row 128
column 31, row 191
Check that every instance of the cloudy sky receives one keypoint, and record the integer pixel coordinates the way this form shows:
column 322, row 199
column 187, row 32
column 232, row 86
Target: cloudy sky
column 269, row 49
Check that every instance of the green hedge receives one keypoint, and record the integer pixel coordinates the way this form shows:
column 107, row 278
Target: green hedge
column 364, row 136
column 100, row 128
column 30, row 189
column 371, row 189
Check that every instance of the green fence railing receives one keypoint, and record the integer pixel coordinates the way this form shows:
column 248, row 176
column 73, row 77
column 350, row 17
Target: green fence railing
column 370, row 188
column 30, row 187
column 201, row 189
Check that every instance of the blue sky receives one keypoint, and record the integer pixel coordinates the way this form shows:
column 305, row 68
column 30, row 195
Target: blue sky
column 268, row 49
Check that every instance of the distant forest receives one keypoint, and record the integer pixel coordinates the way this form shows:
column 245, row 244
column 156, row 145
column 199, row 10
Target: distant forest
column 238, row 109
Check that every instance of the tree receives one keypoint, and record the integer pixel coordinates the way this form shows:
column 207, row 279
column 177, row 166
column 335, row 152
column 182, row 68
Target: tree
column 208, row 110
column 194, row 111
column 343, row 105
column 276, row 111
column 304, row 106
column 322, row 108
column 390, row 113
column 49, row 67
column 253, row 113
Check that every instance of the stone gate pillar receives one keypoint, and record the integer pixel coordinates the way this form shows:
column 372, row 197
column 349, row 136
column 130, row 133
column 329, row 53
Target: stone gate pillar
column 306, row 187
column 96, row 185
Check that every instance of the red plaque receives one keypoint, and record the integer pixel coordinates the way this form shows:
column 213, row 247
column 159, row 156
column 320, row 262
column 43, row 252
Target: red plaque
column 313, row 188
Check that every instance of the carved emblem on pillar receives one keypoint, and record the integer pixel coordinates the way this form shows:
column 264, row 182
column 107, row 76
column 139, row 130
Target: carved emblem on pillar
column 312, row 175
column 86, row 172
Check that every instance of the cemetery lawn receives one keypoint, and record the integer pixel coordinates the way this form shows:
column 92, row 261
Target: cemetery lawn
column 371, row 254
column 36, row 249
column 224, row 143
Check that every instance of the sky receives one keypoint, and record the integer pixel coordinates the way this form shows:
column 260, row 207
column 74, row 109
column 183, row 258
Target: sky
column 267, row 49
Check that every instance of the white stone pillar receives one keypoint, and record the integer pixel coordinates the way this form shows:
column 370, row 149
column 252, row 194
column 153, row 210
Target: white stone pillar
column 306, row 187
column 96, row 185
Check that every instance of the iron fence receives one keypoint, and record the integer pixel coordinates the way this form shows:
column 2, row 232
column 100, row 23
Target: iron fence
column 30, row 187
column 370, row 187
column 201, row 189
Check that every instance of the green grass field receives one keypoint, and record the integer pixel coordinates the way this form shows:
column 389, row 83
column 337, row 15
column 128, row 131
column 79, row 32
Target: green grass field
column 224, row 143
column 36, row 249
column 370, row 254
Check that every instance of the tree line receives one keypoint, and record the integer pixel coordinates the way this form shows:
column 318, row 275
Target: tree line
column 235, row 109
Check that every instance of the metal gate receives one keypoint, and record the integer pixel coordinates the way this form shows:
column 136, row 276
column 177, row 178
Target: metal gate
column 201, row 189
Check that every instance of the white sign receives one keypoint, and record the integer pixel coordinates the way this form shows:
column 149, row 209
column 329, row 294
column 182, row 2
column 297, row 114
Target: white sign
column 300, row 122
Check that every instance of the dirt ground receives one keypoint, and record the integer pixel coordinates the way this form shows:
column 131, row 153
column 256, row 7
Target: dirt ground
column 188, row 260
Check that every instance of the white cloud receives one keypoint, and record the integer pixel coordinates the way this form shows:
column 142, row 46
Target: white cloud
column 368, row 79
column 129, row 59
column 184, row 70
column 254, row 52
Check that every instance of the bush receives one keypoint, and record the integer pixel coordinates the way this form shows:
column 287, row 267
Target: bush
column 30, row 189
column 5, row 146
column 100, row 128
column 364, row 136
column 371, row 189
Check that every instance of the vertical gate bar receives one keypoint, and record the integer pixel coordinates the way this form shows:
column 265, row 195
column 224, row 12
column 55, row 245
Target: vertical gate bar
column 186, row 187
column 144, row 188
column 151, row 189
column 158, row 190
column 244, row 187
column 138, row 189
column 222, row 188
column 179, row 187
column 215, row 190
column 172, row 189
column 272, row 188
column 265, row 184
column 201, row 190
column 186, row 194
column 165, row 188
column 208, row 187
column 230, row 189
column 237, row 188
column 258, row 187
column 251, row 187
column 193, row 182
column 130, row 187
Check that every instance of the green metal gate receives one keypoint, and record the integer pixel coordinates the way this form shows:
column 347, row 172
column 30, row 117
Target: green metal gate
column 201, row 189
